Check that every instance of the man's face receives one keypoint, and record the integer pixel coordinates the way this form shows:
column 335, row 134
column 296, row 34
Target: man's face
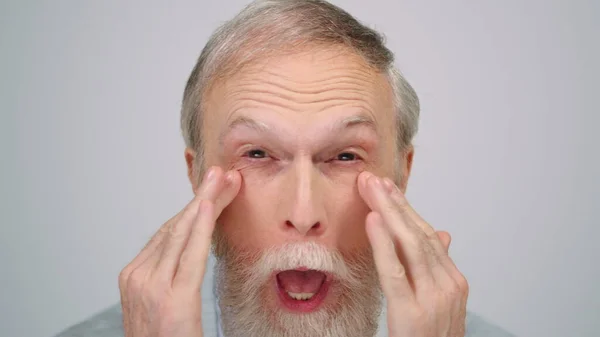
column 292, row 248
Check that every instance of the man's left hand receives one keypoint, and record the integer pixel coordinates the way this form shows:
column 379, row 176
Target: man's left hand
column 426, row 294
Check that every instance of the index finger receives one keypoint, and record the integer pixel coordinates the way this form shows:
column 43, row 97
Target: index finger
column 408, row 211
column 157, row 238
column 392, row 274
column 166, row 260
column 405, row 207
column 192, row 262
column 414, row 250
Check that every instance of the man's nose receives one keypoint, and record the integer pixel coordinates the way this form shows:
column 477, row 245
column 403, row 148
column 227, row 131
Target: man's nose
column 306, row 213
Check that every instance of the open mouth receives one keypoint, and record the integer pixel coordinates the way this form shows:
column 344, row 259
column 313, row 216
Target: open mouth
column 302, row 290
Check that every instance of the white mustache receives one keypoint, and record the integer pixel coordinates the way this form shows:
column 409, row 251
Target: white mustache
column 243, row 278
column 308, row 255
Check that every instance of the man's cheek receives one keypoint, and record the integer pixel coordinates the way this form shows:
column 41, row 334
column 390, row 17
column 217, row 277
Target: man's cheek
column 252, row 212
column 347, row 212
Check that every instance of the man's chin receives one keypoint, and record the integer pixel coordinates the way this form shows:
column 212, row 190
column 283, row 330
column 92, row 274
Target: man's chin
column 323, row 295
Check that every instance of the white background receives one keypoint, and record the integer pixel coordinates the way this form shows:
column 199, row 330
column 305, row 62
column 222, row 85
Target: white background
column 506, row 158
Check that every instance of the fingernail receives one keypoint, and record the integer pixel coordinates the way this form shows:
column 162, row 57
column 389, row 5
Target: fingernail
column 210, row 174
column 389, row 185
column 364, row 181
column 375, row 181
column 229, row 177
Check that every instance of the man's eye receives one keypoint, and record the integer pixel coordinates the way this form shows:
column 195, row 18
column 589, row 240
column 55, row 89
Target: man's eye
column 346, row 156
column 256, row 154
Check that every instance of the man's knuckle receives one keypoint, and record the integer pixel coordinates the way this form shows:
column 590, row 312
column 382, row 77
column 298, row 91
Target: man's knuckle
column 123, row 279
column 463, row 283
column 402, row 205
column 137, row 280
column 396, row 273
column 165, row 228
column 422, row 237
column 389, row 207
column 431, row 237
column 124, row 274
column 178, row 231
column 452, row 291
column 418, row 314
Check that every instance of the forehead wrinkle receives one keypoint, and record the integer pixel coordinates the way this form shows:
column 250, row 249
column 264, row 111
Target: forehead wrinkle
column 263, row 99
column 322, row 60
column 288, row 97
column 259, row 101
column 353, row 82
column 328, row 82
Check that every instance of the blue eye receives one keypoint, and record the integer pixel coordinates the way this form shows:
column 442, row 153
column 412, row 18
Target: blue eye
column 256, row 154
column 346, row 156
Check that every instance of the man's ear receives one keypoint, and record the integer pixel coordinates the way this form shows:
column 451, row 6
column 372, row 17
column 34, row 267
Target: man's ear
column 406, row 163
column 190, row 160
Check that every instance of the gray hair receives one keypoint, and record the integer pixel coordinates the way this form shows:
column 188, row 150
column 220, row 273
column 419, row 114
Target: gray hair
column 266, row 26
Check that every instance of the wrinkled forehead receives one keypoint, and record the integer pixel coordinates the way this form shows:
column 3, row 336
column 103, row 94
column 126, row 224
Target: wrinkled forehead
column 303, row 86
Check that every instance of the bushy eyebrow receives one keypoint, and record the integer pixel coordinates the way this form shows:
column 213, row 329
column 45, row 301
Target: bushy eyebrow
column 335, row 127
column 247, row 122
column 352, row 121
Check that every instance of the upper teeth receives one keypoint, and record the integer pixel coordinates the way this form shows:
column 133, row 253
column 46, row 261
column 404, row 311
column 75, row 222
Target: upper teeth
column 301, row 296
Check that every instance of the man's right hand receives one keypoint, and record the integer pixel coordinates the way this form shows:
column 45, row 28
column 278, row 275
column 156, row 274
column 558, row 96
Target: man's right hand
column 161, row 287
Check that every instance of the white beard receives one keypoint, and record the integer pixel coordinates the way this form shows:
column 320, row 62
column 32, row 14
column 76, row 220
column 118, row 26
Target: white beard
column 247, row 302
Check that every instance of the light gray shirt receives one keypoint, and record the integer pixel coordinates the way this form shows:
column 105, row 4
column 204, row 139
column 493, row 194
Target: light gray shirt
column 109, row 323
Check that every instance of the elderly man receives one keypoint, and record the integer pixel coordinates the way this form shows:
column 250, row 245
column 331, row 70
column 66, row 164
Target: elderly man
column 298, row 131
